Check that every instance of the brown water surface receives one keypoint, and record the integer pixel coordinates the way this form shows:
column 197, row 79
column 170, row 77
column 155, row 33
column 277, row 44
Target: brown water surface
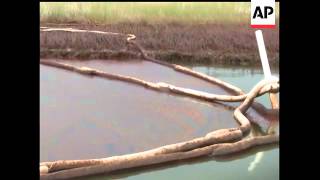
column 90, row 117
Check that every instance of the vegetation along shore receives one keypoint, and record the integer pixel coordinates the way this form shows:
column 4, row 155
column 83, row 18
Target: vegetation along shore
column 201, row 33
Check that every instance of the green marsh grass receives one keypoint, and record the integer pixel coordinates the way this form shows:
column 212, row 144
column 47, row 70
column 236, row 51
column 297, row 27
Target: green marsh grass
column 159, row 12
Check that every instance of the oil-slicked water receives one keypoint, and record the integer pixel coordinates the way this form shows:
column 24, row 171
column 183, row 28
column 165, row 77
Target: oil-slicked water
column 153, row 72
column 84, row 117
column 150, row 71
column 245, row 78
column 89, row 117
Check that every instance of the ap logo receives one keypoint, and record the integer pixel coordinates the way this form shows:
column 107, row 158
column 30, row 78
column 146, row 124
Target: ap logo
column 263, row 14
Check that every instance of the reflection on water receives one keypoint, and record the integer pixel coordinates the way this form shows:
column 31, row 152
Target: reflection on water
column 245, row 78
column 88, row 117
column 256, row 160
column 150, row 72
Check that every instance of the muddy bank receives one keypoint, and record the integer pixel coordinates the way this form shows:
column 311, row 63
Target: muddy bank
column 233, row 44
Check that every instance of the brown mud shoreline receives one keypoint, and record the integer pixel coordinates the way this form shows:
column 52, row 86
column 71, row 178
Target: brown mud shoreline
column 229, row 44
